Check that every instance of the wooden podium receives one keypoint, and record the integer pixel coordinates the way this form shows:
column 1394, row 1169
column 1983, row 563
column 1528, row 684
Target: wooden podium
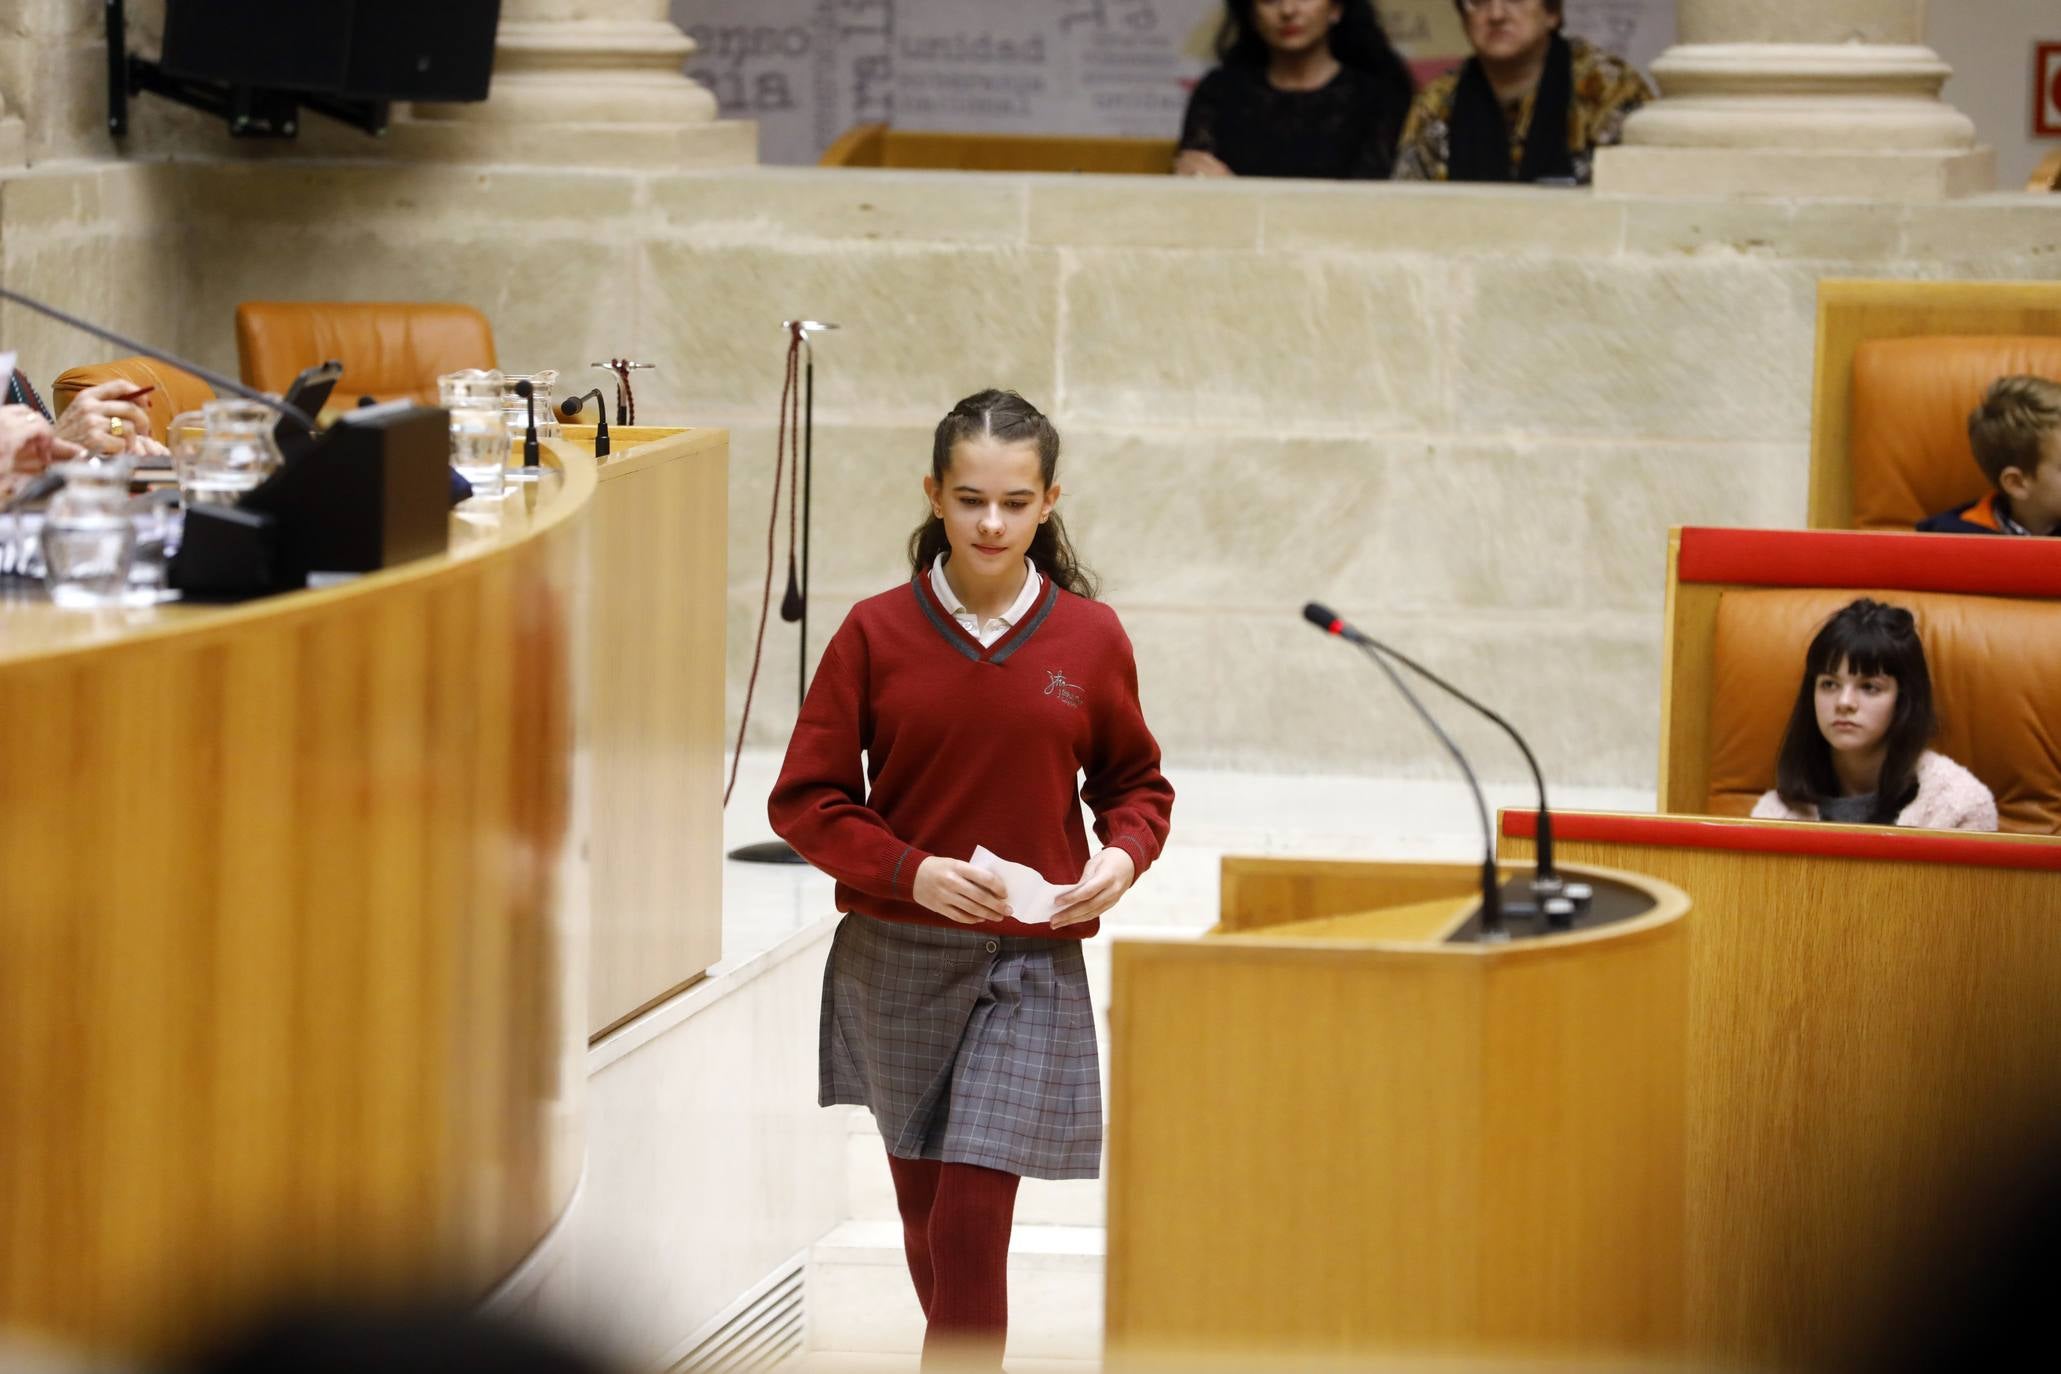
column 1336, row 1130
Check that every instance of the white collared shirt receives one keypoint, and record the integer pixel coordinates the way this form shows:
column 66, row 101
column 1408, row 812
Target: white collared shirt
column 994, row 629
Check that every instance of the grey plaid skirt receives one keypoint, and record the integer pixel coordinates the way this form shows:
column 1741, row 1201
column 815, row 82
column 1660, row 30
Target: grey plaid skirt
column 969, row 1048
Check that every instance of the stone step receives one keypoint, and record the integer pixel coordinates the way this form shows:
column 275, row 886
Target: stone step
column 860, row 1300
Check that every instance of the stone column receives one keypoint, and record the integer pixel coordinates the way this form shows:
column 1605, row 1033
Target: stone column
column 1799, row 98
column 592, row 83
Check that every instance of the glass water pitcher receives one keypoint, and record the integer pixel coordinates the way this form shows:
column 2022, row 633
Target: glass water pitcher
column 237, row 450
column 88, row 535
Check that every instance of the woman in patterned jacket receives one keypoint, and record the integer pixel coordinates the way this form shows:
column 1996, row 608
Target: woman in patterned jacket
column 1529, row 105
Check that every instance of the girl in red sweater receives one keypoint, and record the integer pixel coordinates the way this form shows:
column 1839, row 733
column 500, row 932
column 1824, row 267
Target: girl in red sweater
column 955, row 712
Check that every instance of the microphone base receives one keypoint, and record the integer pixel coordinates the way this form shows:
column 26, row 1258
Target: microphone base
column 1529, row 914
column 766, row 852
column 1545, row 885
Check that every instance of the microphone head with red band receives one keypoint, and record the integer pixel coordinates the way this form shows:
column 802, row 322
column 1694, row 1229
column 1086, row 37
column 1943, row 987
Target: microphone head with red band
column 1326, row 620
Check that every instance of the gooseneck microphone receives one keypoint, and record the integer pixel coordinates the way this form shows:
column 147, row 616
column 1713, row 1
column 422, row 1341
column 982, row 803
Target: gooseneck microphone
column 570, row 409
column 1555, row 900
column 1546, row 880
column 1491, row 891
column 213, row 379
column 529, row 438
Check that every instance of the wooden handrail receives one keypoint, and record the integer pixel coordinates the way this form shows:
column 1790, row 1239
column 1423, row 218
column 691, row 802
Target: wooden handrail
column 879, row 145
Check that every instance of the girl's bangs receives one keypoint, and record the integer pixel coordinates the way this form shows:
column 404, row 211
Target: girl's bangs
column 1864, row 650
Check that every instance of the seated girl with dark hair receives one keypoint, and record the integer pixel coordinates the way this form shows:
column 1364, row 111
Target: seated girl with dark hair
column 1855, row 750
column 1307, row 88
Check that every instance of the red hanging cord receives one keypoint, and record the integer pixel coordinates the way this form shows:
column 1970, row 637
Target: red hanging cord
column 793, row 428
column 788, row 392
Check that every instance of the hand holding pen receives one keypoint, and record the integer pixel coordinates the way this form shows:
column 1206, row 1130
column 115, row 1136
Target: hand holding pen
column 109, row 419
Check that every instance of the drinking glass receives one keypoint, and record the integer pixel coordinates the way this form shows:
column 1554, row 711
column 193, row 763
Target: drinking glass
column 544, row 384
column 89, row 536
column 183, row 438
column 236, row 450
column 159, row 524
column 479, row 431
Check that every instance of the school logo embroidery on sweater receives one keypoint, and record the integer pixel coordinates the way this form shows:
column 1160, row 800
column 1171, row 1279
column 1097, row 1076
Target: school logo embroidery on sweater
column 1058, row 686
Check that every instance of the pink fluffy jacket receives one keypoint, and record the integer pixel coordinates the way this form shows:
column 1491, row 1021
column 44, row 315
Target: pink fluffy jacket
column 1949, row 798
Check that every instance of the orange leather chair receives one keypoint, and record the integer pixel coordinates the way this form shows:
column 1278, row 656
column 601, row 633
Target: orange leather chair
column 1996, row 682
column 389, row 350
column 177, row 390
column 1742, row 606
column 1911, row 399
column 1933, row 346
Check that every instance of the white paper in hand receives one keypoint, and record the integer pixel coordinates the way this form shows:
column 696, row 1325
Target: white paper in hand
column 1030, row 896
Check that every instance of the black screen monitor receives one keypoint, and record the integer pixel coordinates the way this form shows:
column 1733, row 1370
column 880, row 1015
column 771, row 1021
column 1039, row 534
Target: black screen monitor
column 351, row 49
column 308, row 394
column 312, row 385
column 372, row 492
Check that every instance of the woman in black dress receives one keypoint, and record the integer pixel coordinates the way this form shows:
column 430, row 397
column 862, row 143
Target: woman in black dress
column 1306, row 88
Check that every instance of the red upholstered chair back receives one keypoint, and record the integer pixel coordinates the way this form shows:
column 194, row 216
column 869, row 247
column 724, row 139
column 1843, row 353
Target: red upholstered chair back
column 1996, row 681
column 390, row 350
column 1911, row 399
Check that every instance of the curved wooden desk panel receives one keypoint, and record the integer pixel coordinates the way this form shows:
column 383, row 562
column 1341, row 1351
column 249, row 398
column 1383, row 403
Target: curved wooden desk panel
column 286, row 909
column 659, row 557
column 1353, row 1146
column 1871, row 1033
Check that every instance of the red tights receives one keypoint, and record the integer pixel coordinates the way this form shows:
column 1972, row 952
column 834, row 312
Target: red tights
column 955, row 1228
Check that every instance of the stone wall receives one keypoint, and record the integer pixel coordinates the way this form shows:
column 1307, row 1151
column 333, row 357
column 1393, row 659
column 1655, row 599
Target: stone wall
column 53, row 71
column 1465, row 416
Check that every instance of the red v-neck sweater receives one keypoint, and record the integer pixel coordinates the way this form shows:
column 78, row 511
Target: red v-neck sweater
column 966, row 746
